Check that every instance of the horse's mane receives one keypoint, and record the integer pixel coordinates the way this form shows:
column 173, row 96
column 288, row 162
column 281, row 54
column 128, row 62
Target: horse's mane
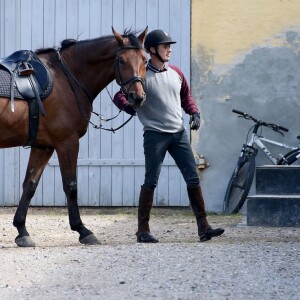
column 131, row 35
column 44, row 50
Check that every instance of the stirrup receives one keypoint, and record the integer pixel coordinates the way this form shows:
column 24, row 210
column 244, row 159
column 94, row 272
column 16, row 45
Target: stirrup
column 25, row 69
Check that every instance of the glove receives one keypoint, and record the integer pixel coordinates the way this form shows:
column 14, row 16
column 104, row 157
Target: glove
column 195, row 121
column 130, row 110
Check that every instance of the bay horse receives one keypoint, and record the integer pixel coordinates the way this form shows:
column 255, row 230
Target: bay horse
column 80, row 70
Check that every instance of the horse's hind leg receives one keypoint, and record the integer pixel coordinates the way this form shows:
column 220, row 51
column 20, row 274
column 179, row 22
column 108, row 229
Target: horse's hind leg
column 37, row 162
column 67, row 155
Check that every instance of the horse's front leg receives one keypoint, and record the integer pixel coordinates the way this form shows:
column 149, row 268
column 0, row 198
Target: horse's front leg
column 36, row 165
column 67, row 155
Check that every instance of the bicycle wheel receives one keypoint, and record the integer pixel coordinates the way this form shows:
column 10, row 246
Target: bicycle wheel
column 239, row 184
column 291, row 158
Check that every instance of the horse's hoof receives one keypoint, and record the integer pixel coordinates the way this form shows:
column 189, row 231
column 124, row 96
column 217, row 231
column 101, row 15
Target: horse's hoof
column 25, row 241
column 90, row 240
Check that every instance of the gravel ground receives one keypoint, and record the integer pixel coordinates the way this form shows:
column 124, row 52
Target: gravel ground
column 244, row 263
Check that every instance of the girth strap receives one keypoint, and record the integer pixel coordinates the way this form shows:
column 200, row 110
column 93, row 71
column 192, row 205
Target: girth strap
column 12, row 96
column 33, row 121
column 37, row 95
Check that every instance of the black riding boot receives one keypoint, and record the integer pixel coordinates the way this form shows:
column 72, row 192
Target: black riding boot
column 205, row 232
column 145, row 205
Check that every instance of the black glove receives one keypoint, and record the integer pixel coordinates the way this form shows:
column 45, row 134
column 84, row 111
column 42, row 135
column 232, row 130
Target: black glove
column 195, row 121
column 130, row 110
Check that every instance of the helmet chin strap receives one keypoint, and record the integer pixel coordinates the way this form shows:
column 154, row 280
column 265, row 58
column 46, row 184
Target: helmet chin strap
column 157, row 55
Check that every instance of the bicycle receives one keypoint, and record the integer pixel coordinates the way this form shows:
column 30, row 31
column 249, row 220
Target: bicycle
column 241, row 180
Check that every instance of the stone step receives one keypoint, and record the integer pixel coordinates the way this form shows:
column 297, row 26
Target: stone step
column 277, row 180
column 273, row 210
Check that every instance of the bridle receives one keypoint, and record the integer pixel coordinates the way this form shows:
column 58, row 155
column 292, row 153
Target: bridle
column 69, row 74
column 132, row 80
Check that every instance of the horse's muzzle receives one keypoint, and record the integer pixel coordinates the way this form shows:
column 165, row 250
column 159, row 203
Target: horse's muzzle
column 135, row 100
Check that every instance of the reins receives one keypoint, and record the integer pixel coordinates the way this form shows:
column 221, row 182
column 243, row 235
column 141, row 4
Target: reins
column 68, row 73
column 107, row 120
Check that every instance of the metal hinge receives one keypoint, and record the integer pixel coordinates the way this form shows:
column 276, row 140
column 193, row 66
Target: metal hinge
column 201, row 162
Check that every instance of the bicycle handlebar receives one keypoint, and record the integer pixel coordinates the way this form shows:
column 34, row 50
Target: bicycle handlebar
column 275, row 127
column 238, row 112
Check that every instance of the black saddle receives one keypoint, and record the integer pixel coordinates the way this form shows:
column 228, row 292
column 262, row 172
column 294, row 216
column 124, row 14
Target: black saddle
column 31, row 81
column 28, row 74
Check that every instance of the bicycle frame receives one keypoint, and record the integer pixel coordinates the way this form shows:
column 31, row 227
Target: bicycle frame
column 258, row 141
column 241, row 180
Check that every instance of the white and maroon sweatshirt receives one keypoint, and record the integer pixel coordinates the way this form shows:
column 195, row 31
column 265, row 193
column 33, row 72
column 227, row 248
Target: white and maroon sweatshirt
column 167, row 93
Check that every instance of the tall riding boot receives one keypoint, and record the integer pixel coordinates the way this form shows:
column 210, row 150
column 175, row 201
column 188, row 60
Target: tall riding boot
column 145, row 205
column 205, row 231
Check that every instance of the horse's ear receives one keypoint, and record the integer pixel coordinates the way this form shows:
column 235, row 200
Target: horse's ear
column 142, row 36
column 118, row 37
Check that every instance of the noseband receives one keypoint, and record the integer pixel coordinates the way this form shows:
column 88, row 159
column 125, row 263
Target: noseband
column 123, row 83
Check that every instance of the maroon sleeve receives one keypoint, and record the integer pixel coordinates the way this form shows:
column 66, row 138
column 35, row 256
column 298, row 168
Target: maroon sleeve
column 187, row 102
column 120, row 100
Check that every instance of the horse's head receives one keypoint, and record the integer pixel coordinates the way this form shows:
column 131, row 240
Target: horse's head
column 130, row 67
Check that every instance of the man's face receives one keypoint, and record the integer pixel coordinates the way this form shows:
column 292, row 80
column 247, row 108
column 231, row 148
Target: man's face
column 164, row 51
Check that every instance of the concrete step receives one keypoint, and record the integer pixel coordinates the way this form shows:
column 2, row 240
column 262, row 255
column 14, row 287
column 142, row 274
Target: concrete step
column 273, row 210
column 278, row 180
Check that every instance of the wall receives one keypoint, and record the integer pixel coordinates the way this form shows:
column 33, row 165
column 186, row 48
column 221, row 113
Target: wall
column 110, row 166
column 245, row 55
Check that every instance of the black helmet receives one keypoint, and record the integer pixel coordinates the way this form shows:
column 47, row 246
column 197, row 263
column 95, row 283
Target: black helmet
column 157, row 37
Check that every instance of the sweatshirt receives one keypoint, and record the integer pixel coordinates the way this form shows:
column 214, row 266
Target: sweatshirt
column 167, row 93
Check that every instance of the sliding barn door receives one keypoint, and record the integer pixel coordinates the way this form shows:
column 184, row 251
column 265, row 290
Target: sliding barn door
column 110, row 165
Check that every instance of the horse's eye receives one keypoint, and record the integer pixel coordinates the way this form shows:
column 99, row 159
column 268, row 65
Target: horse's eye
column 122, row 61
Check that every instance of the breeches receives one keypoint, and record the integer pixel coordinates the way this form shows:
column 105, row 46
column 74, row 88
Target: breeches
column 157, row 144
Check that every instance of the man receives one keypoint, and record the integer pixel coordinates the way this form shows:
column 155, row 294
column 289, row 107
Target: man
column 167, row 93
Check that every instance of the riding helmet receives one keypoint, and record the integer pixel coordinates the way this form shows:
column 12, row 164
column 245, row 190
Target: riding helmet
column 157, row 37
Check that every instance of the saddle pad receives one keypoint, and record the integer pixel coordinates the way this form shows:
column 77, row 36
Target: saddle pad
column 5, row 81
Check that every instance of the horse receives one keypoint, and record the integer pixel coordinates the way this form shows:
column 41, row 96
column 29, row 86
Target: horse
column 80, row 70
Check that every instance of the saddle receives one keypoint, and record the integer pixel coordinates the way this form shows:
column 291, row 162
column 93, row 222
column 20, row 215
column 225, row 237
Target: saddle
column 28, row 74
column 30, row 79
